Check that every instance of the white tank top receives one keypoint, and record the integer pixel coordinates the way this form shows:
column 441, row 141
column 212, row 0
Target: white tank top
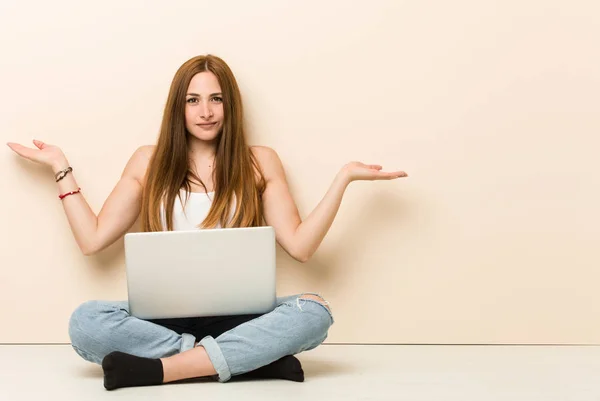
column 196, row 209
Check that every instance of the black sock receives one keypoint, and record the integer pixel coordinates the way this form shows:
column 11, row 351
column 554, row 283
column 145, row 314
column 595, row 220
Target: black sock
column 286, row 368
column 125, row 370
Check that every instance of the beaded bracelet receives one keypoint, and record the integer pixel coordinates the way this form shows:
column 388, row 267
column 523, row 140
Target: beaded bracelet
column 61, row 197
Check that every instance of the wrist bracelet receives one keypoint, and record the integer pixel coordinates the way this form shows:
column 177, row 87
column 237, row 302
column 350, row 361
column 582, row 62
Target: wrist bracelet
column 61, row 197
column 62, row 174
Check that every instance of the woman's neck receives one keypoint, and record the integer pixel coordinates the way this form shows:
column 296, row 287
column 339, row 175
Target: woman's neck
column 202, row 152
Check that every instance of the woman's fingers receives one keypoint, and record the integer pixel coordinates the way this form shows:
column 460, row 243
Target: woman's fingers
column 391, row 175
column 39, row 144
column 23, row 151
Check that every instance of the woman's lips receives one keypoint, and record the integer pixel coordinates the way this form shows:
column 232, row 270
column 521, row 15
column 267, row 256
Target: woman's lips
column 206, row 126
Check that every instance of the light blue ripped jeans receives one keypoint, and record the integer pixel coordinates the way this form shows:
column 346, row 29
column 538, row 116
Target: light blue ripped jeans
column 98, row 328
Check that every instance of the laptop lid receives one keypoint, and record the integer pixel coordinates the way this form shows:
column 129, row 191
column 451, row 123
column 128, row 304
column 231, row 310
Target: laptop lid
column 212, row 272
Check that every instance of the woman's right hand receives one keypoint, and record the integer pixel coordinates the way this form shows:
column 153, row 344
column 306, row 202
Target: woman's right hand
column 44, row 153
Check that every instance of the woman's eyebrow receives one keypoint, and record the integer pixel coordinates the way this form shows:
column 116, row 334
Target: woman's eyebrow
column 212, row 94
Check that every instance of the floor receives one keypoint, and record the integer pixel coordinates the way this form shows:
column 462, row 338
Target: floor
column 335, row 372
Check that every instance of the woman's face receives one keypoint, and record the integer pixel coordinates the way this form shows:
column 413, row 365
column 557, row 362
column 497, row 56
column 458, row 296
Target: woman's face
column 204, row 107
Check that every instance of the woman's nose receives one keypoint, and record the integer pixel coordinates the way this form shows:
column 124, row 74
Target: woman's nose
column 205, row 111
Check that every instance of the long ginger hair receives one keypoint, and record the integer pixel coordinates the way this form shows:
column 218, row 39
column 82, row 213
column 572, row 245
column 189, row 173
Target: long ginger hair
column 238, row 180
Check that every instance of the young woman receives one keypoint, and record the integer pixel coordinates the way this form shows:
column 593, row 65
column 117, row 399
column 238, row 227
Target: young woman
column 201, row 174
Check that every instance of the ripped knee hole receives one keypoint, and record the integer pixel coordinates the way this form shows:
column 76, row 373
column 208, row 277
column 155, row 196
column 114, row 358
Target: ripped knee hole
column 315, row 298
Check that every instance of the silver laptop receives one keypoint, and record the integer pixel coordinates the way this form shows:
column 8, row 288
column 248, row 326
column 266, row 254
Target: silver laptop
column 212, row 272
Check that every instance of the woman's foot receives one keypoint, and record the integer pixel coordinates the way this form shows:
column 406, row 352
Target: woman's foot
column 125, row 370
column 286, row 368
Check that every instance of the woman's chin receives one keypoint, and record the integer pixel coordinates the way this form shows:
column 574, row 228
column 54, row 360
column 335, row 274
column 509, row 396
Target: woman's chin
column 204, row 136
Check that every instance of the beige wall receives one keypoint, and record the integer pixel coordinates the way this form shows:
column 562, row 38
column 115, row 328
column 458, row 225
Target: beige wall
column 490, row 106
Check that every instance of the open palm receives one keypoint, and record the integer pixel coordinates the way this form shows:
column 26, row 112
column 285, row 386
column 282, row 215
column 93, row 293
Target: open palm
column 361, row 171
column 42, row 153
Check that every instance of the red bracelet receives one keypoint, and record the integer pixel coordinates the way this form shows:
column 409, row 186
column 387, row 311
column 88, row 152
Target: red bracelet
column 61, row 197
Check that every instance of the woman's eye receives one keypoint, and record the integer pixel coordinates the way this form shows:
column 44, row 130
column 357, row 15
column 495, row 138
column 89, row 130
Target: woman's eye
column 217, row 99
column 192, row 100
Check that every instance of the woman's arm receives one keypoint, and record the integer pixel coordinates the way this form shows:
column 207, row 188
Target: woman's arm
column 300, row 239
column 120, row 210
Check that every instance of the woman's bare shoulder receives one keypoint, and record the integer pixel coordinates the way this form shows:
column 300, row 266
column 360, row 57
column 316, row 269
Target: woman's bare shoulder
column 138, row 163
column 264, row 154
column 269, row 161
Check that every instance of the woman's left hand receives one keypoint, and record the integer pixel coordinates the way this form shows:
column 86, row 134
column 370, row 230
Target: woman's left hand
column 359, row 171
